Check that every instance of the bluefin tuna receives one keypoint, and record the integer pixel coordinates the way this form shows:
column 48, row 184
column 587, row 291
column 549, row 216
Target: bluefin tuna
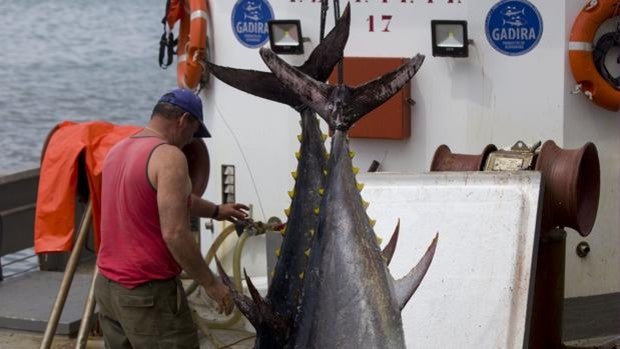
column 273, row 317
column 350, row 300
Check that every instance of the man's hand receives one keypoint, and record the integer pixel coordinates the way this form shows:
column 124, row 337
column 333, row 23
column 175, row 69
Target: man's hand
column 232, row 212
column 221, row 294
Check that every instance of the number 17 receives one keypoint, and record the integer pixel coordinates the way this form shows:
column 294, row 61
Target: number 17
column 386, row 19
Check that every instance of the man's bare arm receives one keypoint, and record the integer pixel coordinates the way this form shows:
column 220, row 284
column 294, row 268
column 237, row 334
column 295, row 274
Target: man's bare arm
column 204, row 208
column 171, row 181
column 169, row 174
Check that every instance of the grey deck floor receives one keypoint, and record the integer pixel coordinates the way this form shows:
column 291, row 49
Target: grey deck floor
column 13, row 339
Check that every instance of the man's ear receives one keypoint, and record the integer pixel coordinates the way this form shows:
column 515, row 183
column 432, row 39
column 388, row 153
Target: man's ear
column 184, row 118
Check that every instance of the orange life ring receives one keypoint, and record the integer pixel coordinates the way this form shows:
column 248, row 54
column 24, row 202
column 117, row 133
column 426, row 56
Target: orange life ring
column 192, row 44
column 589, row 81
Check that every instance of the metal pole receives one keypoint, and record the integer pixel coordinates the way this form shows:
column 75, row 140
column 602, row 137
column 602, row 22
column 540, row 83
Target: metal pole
column 89, row 309
column 340, row 65
column 59, row 304
column 324, row 8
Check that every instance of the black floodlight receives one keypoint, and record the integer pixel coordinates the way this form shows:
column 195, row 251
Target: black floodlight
column 285, row 36
column 449, row 38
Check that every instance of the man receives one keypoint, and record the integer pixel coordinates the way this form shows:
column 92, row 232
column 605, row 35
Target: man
column 145, row 234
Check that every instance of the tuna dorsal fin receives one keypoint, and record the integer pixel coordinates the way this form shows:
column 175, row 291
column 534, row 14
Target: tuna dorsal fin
column 244, row 303
column 388, row 251
column 254, row 292
column 319, row 65
column 312, row 93
column 406, row 286
column 270, row 320
column 374, row 93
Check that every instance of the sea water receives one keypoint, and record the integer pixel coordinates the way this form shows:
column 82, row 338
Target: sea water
column 75, row 60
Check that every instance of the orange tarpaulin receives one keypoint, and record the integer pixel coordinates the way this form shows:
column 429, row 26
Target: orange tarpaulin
column 55, row 211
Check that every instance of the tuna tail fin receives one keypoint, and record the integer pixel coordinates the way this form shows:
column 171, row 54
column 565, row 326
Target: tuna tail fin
column 406, row 286
column 324, row 57
column 319, row 65
column 363, row 99
column 388, row 251
column 258, row 83
column 374, row 93
column 312, row 93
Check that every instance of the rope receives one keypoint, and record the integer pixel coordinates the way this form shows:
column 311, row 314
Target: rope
column 237, row 342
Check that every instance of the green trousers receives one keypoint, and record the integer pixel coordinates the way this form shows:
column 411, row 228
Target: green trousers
column 152, row 315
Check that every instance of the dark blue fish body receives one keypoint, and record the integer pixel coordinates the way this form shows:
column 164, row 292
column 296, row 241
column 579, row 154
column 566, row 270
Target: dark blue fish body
column 347, row 299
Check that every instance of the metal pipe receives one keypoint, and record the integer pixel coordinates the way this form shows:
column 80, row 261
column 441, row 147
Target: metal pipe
column 59, row 304
column 340, row 63
column 89, row 309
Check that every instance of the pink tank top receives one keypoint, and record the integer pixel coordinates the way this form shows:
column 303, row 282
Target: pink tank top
column 132, row 250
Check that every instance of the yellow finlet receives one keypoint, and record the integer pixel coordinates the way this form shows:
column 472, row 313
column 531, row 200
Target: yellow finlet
column 321, row 191
column 365, row 204
column 351, row 154
column 323, row 136
column 325, row 172
column 300, row 138
column 287, row 211
column 301, row 275
column 356, row 170
column 372, row 222
column 379, row 240
column 277, row 252
column 297, row 155
column 316, row 211
column 359, row 186
column 311, row 231
column 294, row 174
column 307, row 252
column 291, row 193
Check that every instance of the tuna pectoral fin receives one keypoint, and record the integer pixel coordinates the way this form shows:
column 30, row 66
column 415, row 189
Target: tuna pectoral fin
column 389, row 249
column 374, row 93
column 244, row 303
column 406, row 286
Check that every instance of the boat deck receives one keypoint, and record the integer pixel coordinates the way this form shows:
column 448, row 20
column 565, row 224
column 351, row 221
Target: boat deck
column 27, row 296
column 230, row 339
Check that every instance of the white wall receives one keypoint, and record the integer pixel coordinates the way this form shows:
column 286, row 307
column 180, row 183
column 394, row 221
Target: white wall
column 584, row 121
column 465, row 103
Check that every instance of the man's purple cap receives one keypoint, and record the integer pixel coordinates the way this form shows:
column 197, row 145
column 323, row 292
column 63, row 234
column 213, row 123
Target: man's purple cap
column 188, row 101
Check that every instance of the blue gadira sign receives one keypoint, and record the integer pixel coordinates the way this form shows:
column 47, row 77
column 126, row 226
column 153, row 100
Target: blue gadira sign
column 513, row 27
column 249, row 22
